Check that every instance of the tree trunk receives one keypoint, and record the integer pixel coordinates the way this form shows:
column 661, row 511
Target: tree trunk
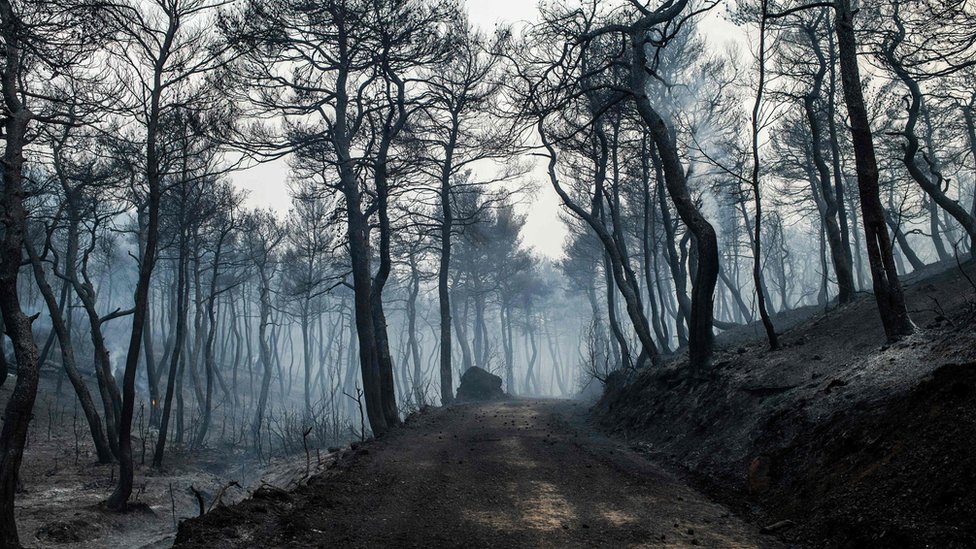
column 884, row 274
column 648, row 231
column 757, row 276
column 264, row 351
column 363, row 306
column 460, row 326
column 152, row 377
column 182, row 304
column 839, row 251
column 209, row 360
column 505, row 318
column 305, row 327
column 683, row 317
column 701, row 337
column 623, row 274
column 530, row 374
column 840, row 183
column 413, row 345
column 152, row 374
column 108, row 389
column 443, row 293
column 102, row 448
column 120, row 497
column 480, row 341
column 970, row 120
column 903, row 244
column 13, row 217
column 4, row 368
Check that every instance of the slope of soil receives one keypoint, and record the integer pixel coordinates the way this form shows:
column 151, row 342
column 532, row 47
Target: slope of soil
column 857, row 443
column 503, row 474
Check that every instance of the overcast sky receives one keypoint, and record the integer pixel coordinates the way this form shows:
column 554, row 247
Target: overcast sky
column 543, row 231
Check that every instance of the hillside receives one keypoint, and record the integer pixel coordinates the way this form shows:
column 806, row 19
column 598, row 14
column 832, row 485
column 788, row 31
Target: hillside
column 856, row 442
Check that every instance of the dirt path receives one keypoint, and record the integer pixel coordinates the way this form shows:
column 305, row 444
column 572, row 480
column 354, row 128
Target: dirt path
column 512, row 474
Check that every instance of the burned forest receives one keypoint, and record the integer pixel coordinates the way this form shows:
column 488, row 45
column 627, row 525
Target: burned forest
column 475, row 273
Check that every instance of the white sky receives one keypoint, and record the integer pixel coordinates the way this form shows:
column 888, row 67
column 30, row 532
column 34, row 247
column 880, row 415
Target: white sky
column 543, row 230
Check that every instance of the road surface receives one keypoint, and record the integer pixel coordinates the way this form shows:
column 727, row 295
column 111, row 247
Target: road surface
column 521, row 473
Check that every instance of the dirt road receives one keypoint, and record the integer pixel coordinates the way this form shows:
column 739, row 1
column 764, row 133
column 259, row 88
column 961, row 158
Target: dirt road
column 524, row 473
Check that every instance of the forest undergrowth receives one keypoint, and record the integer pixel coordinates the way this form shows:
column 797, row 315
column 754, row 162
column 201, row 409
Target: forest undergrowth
column 62, row 487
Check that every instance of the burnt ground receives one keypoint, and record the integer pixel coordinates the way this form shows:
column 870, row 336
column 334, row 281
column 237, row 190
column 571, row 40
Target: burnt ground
column 62, row 487
column 521, row 473
column 856, row 442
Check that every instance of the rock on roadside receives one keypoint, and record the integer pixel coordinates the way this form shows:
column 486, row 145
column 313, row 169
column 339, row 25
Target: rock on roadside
column 478, row 384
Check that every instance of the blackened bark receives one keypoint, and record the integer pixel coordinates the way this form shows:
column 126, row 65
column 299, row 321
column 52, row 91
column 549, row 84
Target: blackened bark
column 4, row 368
column 108, row 389
column 701, row 337
column 884, row 274
column 152, row 375
column 209, row 360
column 20, row 405
column 102, row 448
column 757, row 275
column 678, row 275
column 840, row 183
column 264, row 354
column 931, row 182
column 152, row 372
column 649, row 250
column 120, row 497
column 460, row 326
column 505, row 319
column 970, row 119
column 480, row 329
column 902, row 241
column 443, row 272
column 416, row 379
column 623, row 274
column 182, row 299
column 740, row 303
column 622, row 352
column 363, row 307
column 839, row 251
column 305, row 325
column 383, row 355
column 358, row 237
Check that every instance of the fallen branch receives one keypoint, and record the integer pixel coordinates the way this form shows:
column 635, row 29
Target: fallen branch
column 308, row 456
column 199, row 497
column 220, row 494
column 777, row 526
